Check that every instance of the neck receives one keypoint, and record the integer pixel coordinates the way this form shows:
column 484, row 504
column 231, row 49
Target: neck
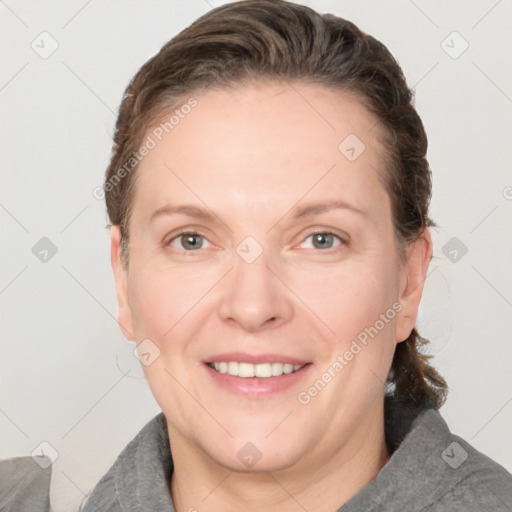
column 321, row 482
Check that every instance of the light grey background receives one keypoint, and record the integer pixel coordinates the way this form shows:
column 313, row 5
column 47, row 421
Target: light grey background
column 62, row 353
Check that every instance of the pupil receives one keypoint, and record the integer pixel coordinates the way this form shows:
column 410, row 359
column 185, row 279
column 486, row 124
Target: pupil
column 322, row 240
column 192, row 242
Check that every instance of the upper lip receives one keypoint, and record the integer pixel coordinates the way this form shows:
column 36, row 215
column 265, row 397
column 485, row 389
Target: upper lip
column 255, row 358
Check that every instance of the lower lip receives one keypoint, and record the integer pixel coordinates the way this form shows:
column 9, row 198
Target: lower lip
column 254, row 387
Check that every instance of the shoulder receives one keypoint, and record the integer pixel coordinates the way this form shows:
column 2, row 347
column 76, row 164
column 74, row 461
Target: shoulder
column 138, row 459
column 478, row 482
column 25, row 483
column 432, row 469
column 103, row 497
column 462, row 478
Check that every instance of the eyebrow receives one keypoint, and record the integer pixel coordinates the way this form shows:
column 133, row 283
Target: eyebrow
column 313, row 208
column 184, row 209
column 208, row 215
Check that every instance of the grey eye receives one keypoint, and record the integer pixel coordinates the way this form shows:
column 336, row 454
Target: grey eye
column 188, row 241
column 322, row 241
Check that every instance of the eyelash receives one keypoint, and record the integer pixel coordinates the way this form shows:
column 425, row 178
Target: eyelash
column 342, row 242
column 327, row 233
column 183, row 234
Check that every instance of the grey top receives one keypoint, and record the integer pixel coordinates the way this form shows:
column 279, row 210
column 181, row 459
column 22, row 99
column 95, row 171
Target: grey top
column 430, row 470
column 25, row 484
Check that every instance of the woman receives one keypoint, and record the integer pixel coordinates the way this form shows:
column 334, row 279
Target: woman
column 268, row 196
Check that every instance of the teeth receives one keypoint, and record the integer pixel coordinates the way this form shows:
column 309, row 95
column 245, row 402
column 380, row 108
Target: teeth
column 247, row 370
column 263, row 370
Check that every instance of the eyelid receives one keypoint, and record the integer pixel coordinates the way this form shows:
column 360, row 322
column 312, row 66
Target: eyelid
column 184, row 229
column 343, row 237
column 170, row 237
column 340, row 243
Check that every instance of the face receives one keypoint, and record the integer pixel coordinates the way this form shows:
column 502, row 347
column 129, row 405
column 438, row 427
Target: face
column 264, row 271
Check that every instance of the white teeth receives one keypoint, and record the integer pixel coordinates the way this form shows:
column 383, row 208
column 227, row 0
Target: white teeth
column 277, row 369
column 248, row 370
column 263, row 370
column 245, row 370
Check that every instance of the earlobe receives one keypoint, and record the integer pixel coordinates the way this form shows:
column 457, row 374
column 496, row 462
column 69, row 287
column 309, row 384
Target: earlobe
column 124, row 314
column 418, row 256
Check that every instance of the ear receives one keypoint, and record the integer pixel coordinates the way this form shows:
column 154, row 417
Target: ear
column 124, row 312
column 418, row 256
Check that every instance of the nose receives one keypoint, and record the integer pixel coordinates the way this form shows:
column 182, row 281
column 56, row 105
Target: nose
column 254, row 298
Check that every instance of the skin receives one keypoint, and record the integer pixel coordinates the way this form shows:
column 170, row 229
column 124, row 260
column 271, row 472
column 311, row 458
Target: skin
column 252, row 156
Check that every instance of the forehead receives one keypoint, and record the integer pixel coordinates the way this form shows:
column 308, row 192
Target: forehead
column 261, row 145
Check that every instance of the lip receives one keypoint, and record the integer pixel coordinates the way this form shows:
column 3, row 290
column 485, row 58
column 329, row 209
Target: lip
column 254, row 359
column 255, row 387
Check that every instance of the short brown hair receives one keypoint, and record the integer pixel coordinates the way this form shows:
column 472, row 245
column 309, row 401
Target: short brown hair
column 278, row 40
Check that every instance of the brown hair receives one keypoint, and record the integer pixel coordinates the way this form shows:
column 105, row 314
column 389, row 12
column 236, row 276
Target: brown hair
column 277, row 40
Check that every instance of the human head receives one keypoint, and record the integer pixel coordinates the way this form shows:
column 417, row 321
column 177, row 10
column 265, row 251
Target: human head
column 260, row 39
column 256, row 41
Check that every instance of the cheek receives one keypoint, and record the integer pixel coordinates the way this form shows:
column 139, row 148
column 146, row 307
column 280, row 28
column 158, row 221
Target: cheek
column 161, row 299
column 351, row 298
column 150, row 301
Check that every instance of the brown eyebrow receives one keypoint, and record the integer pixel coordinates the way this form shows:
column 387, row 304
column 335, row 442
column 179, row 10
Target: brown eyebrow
column 204, row 214
column 185, row 209
column 313, row 208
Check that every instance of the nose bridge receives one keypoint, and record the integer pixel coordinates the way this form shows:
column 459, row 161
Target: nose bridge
column 253, row 296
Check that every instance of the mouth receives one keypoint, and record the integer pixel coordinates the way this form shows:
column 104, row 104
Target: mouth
column 249, row 370
column 256, row 377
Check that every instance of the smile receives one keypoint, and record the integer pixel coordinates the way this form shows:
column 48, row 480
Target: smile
column 248, row 370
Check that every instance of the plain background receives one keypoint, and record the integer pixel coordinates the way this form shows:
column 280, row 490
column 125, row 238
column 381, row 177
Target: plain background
column 62, row 353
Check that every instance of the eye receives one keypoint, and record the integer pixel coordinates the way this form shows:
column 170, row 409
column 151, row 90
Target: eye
column 322, row 240
column 189, row 241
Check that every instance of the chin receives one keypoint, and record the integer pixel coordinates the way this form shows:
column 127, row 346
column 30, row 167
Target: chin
column 249, row 458
column 253, row 452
